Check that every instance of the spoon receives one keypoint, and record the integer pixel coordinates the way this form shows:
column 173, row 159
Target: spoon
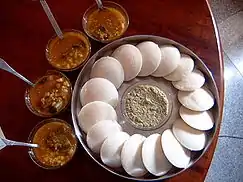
column 51, row 18
column 6, row 67
column 5, row 142
column 99, row 4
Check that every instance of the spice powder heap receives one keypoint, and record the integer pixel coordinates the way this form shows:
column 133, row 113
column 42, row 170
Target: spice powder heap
column 146, row 106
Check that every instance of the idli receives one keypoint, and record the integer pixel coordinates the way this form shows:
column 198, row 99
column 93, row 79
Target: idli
column 189, row 137
column 151, row 57
column 185, row 66
column 131, row 60
column 110, row 152
column 153, row 156
column 110, row 69
column 99, row 89
column 174, row 151
column 95, row 112
column 170, row 58
column 99, row 132
column 198, row 100
column 131, row 156
column 192, row 81
column 199, row 120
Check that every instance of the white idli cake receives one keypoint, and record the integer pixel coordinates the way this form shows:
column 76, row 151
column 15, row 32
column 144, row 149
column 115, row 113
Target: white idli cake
column 170, row 58
column 151, row 57
column 153, row 156
column 131, row 156
column 192, row 81
column 99, row 89
column 189, row 137
column 200, row 120
column 174, row 151
column 95, row 112
column 131, row 60
column 198, row 100
column 99, row 132
column 110, row 69
column 110, row 152
column 185, row 67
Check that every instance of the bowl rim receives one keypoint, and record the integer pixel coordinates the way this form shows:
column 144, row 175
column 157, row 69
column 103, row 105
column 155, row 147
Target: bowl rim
column 140, row 38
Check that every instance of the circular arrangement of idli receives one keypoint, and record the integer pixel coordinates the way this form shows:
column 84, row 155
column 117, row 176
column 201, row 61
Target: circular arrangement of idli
column 158, row 153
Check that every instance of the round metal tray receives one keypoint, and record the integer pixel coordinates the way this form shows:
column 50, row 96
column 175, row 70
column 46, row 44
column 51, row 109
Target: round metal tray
column 166, row 86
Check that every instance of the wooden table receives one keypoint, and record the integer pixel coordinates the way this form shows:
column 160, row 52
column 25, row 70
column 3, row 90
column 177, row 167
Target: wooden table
column 24, row 32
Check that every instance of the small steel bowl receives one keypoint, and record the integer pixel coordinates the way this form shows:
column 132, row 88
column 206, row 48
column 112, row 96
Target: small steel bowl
column 164, row 85
column 105, row 4
column 30, row 140
column 28, row 99
column 85, row 39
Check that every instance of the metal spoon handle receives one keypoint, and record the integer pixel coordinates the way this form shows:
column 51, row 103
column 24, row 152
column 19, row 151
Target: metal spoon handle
column 14, row 143
column 51, row 19
column 100, row 4
column 6, row 67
